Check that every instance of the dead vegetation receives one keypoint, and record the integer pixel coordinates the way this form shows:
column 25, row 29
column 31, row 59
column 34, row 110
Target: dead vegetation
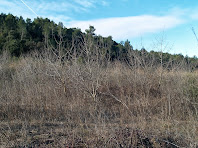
column 47, row 102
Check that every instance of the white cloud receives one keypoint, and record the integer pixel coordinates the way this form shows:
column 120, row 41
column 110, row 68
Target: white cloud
column 50, row 9
column 59, row 18
column 85, row 3
column 176, row 11
column 91, row 3
column 187, row 13
column 16, row 8
column 57, row 7
column 104, row 3
column 122, row 28
column 194, row 14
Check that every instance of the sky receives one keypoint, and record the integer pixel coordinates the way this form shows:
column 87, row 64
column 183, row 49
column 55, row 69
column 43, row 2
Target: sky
column 153, row 24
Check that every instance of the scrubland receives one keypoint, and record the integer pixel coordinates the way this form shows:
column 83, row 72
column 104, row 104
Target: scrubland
column 48, row 102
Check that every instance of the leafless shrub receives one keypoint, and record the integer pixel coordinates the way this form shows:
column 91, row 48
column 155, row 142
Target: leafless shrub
column 89, row 103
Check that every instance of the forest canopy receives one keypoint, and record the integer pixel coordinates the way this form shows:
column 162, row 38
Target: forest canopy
column 19, row 36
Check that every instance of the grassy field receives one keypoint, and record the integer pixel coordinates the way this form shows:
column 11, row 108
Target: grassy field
column 51, row 103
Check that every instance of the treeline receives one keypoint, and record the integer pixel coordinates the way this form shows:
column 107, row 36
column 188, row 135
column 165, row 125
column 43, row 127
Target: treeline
column 19, row 36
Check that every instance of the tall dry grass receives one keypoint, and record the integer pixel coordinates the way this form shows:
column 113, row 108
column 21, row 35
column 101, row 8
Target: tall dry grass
column 47, row 102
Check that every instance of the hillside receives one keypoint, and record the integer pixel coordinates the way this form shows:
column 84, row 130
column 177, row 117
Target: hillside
column 60, row 87
column 19, row 36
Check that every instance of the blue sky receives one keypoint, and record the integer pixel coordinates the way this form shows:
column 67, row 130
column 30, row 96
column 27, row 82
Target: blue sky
column 143, row 22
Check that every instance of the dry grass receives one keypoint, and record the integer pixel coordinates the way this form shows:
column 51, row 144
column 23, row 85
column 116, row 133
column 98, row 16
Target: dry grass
column 48, row 103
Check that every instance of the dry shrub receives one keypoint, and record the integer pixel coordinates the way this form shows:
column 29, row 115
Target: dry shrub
column 47, row 102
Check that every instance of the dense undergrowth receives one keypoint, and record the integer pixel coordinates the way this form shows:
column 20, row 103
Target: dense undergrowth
column 47, row 102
